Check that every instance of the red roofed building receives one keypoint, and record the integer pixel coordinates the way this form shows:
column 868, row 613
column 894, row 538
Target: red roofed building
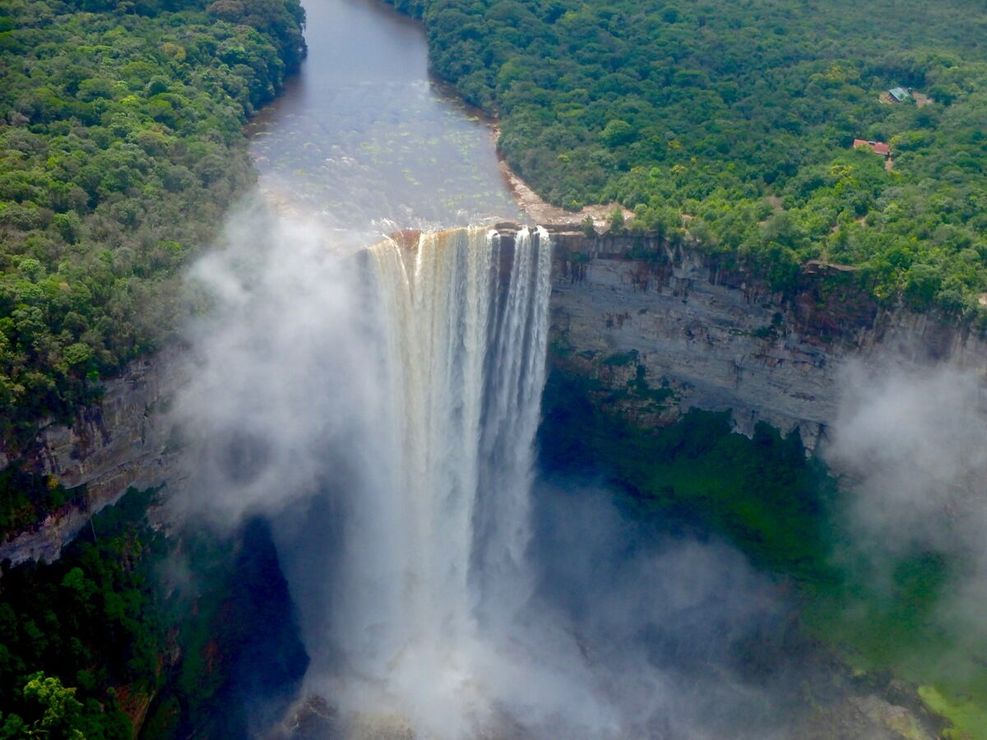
column 878, row 147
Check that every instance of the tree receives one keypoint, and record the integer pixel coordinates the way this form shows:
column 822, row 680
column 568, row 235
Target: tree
column 58, row 713
column 616, row 220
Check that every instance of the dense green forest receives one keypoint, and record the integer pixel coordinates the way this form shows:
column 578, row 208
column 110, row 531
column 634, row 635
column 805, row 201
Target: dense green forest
column 131, row 630
column 121, row 146
column 80, row 639
column 732, row 123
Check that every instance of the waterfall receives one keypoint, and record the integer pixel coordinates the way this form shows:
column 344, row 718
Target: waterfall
column 463, row 323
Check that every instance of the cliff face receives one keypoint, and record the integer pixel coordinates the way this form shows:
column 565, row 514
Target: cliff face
column 660, row 329
column 120, row 443
column 655, row 329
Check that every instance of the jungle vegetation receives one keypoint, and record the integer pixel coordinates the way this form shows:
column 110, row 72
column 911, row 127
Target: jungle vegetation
column 121, row 145
column 733, row 122
column 132, row 630
column 80, row 639
column 881, row 614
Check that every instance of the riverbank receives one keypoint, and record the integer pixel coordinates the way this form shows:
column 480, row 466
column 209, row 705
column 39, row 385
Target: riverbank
column 544, row 213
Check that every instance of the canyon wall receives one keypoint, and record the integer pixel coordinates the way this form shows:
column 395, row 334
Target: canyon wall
column 124, row 441
column 655, row 329
column 658, row 329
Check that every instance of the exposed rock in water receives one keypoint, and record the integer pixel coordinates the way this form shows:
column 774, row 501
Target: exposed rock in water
column 865, row 718
column 309, row 719
column 313, row 719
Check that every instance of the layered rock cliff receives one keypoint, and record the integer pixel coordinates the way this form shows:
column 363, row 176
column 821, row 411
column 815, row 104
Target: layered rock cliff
column 663, row 328
column 119, row 443
column 657, row 329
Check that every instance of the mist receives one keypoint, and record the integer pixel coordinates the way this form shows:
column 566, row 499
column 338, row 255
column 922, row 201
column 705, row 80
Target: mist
column 658, row 628
column 277, row 376
column 911, row 442
column 596, row 627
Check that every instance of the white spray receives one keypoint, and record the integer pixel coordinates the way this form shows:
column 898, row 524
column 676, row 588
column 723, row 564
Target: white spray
column 464, row 351
column 381, row 410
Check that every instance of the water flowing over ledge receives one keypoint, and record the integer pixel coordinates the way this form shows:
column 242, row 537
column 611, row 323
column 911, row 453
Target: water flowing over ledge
column 463, row 326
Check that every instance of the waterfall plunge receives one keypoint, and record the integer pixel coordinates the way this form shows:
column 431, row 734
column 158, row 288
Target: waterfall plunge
column 463, row 326
column 386, row 406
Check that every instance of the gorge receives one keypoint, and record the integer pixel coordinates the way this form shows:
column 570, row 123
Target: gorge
column 441, row 552
column 298, row 453
column 719, row 339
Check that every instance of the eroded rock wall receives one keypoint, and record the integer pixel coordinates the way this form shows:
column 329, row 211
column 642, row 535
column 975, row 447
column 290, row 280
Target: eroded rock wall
column 124, row 441
column 660, row 329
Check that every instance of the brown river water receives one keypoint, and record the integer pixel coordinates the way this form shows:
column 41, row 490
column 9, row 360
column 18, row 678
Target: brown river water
column 363, row 138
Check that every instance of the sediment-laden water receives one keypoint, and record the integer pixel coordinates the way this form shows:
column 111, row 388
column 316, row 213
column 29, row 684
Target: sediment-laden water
column 367, row 141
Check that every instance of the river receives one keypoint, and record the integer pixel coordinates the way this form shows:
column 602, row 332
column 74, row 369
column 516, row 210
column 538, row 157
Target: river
column 364, row 138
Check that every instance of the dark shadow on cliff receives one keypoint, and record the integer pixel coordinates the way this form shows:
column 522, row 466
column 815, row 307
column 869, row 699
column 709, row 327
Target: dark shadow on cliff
column 697, row 476
column 242, row 659
column 268, row 658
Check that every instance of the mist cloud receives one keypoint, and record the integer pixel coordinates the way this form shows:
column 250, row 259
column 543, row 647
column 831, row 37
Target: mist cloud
column 278, row 378
column 913, row 444
column 620, row 631
column 654, row 627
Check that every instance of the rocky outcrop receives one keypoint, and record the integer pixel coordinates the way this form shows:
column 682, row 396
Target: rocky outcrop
column 122, row 442
column 663, row 328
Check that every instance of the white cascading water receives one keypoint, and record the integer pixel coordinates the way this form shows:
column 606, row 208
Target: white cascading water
column 464, row 325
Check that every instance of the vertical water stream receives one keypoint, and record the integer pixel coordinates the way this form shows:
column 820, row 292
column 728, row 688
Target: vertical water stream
column 464, row 320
